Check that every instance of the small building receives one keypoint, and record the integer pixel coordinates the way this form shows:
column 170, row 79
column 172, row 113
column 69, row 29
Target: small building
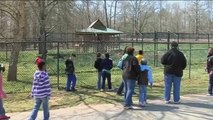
column 98, row 38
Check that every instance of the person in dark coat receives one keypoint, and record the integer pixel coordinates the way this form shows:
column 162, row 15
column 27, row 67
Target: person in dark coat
column 131, row 70
column 209, row 67
column 174, row 63
column 144, row 78
column 70, row 71
column 98, row 66
column 107, row 65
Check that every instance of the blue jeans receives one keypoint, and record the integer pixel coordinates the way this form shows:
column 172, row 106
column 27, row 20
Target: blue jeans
column 129, row 86
column 142, row 93
column 2, row 111
column 71, row 79
column 37, row 105
column 106, row 75
column 210, row 88
column 170, row 79
column 99, row 80
column 121, row 87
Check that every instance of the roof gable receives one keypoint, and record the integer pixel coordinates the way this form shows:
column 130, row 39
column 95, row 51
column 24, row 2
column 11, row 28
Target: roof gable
column 98, row 25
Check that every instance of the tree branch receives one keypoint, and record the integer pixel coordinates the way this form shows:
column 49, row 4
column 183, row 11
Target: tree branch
column 15, row 12
column 12, row 16
column 2, row 35
column 48, row 12
column 33, row 7
column 51, row 3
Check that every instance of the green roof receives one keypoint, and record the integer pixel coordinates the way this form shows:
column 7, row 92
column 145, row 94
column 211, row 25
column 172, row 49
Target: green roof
column 97, row 27
column 97, row 31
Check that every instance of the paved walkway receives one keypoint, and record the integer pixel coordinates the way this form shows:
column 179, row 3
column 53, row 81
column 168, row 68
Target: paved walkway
column 194, row 107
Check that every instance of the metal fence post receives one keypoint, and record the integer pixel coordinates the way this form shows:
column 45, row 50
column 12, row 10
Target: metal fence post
column 142, row 40
column 155, row 38
column 178, row 37
column 208, row 41
column 190, row 56
column 168, row 40
column 58, row 65
column 132, row 39
column 6, row 52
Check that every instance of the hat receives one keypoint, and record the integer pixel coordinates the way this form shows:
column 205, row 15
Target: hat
column 39, row 60
column 143, row 62
column 174, row 44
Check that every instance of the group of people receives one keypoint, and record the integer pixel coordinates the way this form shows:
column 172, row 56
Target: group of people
column 103, row 67
column 134, row 69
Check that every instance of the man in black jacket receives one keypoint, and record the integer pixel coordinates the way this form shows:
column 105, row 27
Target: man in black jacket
column 98, row 66
column 174, row 63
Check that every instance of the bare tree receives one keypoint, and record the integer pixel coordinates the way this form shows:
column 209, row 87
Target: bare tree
column 18, row 15
column 43, row 9
column 115, row 12
column 106, row 15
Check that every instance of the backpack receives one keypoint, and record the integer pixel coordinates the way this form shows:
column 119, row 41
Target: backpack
column 120, row 64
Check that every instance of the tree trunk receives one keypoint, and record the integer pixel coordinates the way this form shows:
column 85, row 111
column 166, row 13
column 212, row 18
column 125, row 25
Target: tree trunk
column 115, row 10
column 106, row 15
column 88, row 12
column 42, row 15
column 19, row 34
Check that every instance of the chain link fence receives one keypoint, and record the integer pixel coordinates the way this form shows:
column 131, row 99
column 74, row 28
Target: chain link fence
column 58, row 51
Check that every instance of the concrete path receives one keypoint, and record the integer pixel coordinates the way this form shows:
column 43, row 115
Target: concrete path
column 193, row 107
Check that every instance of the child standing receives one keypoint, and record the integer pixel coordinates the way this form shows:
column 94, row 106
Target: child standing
column 2, row 96
column 145, row 77
column 98, row 66
column 139, row 56
column 106, row 73
column 70, row 71
column 41, row 91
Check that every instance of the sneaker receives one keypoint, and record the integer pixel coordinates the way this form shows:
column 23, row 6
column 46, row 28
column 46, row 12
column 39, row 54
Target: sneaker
column 128, row 107
column 110, row 90
column 73, row 90
column 209, row 94
column 142, row 104
column 178, row 102
column 101, row 90
column 4, row 117
column 68, row 90
column 167, row 102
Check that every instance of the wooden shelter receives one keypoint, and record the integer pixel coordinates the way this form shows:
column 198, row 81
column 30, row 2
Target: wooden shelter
column 98, row 37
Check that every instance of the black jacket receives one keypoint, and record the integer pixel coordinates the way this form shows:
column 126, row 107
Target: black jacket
column 69, row 66
column 98, row 65
column 209, row 65
column 131, row 68
column 174, row 62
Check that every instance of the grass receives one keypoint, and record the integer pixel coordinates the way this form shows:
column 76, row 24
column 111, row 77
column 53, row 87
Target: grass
column 88, row 94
